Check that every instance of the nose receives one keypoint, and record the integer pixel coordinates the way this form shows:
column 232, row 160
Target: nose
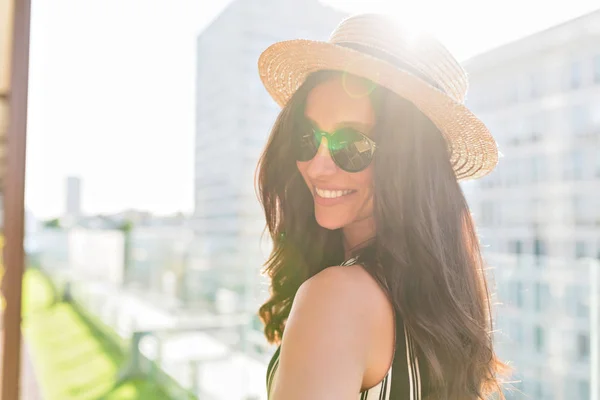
column 322, row 164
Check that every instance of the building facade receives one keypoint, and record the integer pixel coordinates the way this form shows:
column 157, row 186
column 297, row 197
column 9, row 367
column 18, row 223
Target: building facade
column 234, row 116
column 540, row 96
column 538, row 213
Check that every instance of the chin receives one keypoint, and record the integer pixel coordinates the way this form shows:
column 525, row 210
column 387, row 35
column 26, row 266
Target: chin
column 330, row 222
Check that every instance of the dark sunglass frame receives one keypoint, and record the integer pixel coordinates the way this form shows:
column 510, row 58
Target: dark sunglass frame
column 315, row 136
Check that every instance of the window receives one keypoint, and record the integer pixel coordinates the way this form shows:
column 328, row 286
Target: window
column 576, row 301
column 579, row 119
column 535, row 85
column 516, row 246
column 537, row 126
column 538, row 170
column 516, row 333
column 541, row 296
column 518, row 171
column 597, row 69
column 579, row 211
column 574, row 165
column 575, row 75
column 538, row 390
column 577, row 164
column 539, row 247
column 518, row 130
column 594, row 114
column 583, row 347
column 580, row 249
column 538, row 338
column 517, row 294
column 584, row 390
column 583, row 309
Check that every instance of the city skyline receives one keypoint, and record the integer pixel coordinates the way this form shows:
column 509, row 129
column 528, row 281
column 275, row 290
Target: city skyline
column 115, row 105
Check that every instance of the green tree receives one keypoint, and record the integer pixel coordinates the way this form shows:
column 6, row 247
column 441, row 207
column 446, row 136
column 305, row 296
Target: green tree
column 52, row 223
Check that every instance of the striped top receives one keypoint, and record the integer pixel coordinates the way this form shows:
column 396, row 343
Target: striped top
column 405, row 378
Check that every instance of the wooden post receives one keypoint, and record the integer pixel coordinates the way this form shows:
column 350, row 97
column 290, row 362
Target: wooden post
column 14, row 193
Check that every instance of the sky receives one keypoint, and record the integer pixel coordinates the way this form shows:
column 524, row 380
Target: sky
column 112, row 86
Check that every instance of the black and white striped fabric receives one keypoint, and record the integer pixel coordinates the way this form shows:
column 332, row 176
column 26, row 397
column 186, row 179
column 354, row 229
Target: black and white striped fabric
column 402, row 382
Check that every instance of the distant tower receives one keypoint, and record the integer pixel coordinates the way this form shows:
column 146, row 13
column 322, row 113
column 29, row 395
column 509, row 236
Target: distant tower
column 73, row 197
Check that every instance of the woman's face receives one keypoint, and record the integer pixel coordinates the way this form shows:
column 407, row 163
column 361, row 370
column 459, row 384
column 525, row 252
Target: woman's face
column 340, row 198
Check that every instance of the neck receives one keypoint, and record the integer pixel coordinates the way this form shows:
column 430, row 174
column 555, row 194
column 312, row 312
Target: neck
column 358, row 234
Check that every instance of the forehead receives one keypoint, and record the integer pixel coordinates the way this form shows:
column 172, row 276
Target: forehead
column 341, row 100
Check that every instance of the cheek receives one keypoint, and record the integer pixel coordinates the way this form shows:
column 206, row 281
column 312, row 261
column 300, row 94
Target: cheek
column 302, row 166
column 364, row 180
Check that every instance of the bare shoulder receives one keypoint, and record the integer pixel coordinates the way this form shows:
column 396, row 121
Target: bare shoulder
column 327, row 345
column 346, row 289
column 343, row 300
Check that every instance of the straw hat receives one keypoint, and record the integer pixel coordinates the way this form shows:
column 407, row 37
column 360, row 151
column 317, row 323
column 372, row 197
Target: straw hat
column 417, row 68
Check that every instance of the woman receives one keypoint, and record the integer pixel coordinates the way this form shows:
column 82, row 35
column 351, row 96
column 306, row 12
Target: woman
column 377, row 282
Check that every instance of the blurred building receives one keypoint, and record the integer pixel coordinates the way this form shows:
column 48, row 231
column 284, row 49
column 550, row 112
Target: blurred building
column 234, row 115
column 540, row 96
column 73, row 205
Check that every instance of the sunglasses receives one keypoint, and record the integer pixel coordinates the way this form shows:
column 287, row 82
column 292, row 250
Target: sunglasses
column 350, row 149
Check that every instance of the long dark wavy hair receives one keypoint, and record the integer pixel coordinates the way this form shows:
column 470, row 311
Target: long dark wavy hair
column 425, row 252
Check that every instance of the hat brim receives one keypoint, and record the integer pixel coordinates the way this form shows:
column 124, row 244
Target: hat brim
column 284, row 66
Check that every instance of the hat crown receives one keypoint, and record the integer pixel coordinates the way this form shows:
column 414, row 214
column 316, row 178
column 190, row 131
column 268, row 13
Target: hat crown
column 422, row 55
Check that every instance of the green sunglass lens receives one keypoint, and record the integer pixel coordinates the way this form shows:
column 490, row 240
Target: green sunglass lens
column 351, row 150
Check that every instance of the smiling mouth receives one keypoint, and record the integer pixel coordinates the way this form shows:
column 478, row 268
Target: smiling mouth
column 332, row 194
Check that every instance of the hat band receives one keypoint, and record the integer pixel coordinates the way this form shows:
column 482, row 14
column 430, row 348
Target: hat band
column 397, row 62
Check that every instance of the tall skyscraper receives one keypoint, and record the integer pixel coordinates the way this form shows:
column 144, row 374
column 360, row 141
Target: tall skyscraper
column 234, row 115
column 73, row 204
column 538, row 212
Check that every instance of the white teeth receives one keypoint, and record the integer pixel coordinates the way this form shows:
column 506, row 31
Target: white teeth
column 331, row 194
